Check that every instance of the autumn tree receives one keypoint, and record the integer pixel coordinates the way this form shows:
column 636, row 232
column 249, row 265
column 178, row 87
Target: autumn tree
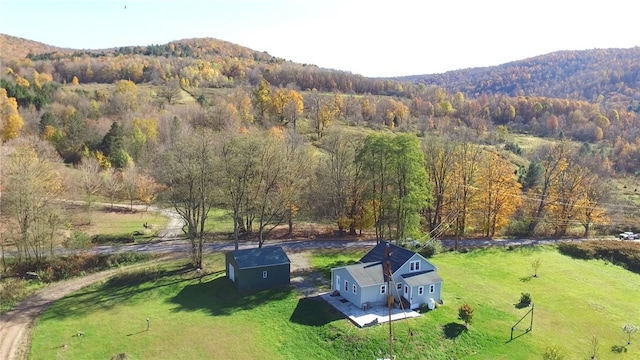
column 270, row 205
column 338, row 195
column 500, row 195
column 590, row 206
column 90, row 174
column 112, row 184
column 124, row 98
column 146, row 189
column 439, row 156
column 464, row 191
column 189, row 173
column 238, row 156
column 322, row 110
column 553, row 160
column 31, row 188
column 298, row 157
column 10, row 120
column 262, row 98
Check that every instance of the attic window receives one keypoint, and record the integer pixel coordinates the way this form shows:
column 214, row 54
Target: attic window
column 383, row 289
column 414, row 265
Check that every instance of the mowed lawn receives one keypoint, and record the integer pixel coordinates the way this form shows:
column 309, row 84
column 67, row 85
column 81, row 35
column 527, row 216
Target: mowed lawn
column 193, row 318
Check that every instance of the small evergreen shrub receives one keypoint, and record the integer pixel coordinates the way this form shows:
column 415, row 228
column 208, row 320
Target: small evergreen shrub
column 525, row 299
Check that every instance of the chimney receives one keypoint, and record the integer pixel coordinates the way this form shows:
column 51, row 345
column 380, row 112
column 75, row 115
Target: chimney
column 387, row 251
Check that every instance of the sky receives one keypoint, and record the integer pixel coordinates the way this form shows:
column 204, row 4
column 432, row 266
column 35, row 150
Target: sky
column 371, row 38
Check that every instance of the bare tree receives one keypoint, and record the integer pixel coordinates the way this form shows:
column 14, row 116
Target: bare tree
column 189, row 173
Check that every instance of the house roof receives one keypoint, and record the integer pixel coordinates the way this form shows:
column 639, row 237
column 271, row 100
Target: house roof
column 399, row 255
column 366, row 274
column 421, row 278
column 266, row 256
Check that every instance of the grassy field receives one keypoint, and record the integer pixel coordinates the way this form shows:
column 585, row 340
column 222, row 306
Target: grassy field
column 118, row 220
column 190, row 317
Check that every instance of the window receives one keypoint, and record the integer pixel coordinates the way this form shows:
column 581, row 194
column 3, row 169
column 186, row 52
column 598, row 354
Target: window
column 432, row 289
column 420, row 290
column 414, row 265
column 346, row 285
column 383, row 289
column 264, row 274
column 354, row 288
column 399, row 287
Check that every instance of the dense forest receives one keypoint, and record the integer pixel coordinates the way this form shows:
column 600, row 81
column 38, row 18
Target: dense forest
column 604, row 76
column 202, row 123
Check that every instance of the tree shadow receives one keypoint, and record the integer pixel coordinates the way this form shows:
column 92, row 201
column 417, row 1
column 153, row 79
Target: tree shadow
column 618, row 349
column 314, row 311
column 220, row 297
column 521, row 305
column 116, row 290
column 452, row 330
column 526, row 278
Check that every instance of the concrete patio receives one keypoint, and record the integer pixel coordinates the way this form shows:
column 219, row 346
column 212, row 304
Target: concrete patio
column 372, row 316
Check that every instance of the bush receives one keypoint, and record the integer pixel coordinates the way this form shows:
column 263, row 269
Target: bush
column 431, row 248
column 465, row 313
column 78, row 240
column 525, row 299
column 552, row 353
column 113, row 239
column 621, row 253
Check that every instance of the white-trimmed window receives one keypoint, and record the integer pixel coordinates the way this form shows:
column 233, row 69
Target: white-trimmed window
column 432, row 289
column 414, row 265
column 399, row 287
column 420, row 290
column 383, row 289
column 264, row 274
column 355, row 288
column 346, row 285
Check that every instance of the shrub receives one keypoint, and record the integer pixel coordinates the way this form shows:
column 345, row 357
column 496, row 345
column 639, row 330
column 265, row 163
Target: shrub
column 552, row 353
column 465, row 313
column 525, row 299
column 621, row 253
column 113, row 239
column 431, row 248
column 77, row 240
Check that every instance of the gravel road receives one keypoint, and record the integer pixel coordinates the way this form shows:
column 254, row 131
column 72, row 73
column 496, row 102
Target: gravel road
column 16, row 326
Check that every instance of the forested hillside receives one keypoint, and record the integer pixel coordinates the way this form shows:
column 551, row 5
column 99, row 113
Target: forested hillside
column 202, row 123
column 604, row 76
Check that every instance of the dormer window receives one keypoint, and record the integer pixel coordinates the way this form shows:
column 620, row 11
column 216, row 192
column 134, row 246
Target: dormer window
column 414, row 265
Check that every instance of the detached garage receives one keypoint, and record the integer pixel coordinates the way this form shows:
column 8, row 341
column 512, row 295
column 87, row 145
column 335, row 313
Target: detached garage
column 256, row 269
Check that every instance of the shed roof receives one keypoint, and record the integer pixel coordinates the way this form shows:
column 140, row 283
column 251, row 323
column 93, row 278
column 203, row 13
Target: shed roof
column 422, row 278
column 266, row 256
column 399, row 255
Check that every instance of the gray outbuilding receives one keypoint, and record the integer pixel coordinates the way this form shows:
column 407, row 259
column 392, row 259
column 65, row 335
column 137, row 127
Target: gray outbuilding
column 257, row 269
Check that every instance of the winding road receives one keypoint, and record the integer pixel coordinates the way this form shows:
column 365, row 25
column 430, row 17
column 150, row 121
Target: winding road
column 16, row 326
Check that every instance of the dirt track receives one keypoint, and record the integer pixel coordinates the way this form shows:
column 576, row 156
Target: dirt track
column 16, row 325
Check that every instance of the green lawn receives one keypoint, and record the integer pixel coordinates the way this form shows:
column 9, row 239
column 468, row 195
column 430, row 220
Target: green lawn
column 193, row 318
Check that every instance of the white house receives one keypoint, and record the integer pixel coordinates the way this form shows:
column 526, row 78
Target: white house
column 414, row 280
